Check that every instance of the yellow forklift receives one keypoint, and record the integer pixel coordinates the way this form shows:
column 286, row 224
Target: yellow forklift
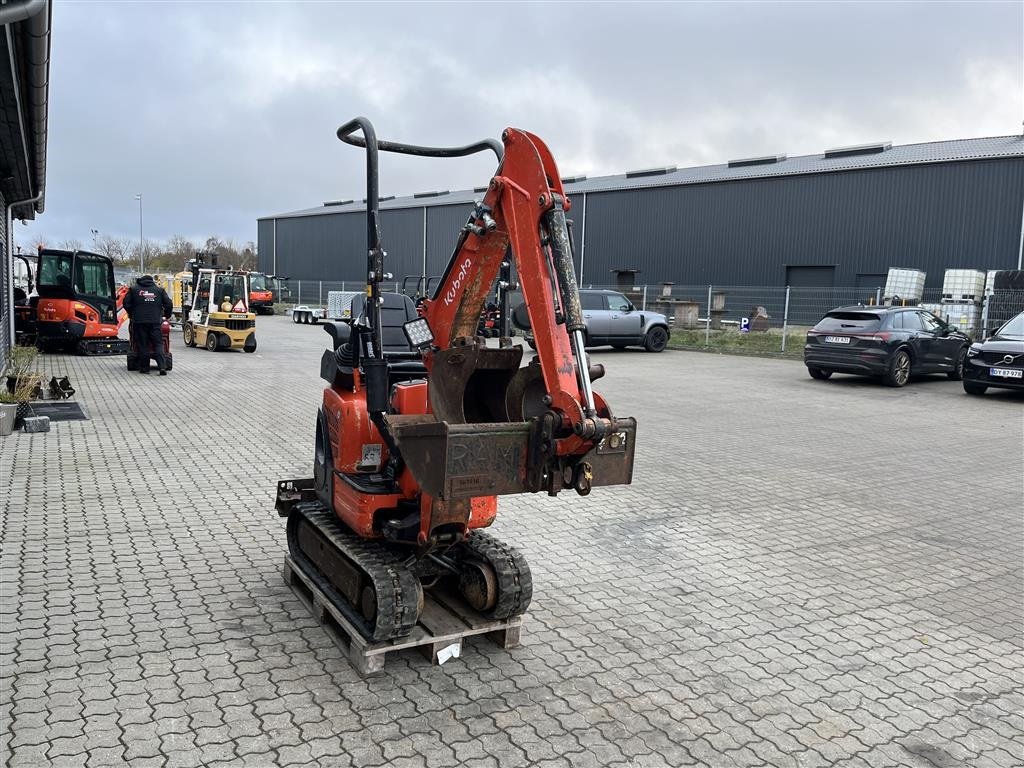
column 217, row 315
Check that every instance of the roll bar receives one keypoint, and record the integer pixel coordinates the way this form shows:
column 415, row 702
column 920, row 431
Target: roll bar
column 348, row 133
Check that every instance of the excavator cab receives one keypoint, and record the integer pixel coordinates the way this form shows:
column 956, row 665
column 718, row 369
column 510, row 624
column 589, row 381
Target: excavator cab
column 25, row 301
column 423, row 424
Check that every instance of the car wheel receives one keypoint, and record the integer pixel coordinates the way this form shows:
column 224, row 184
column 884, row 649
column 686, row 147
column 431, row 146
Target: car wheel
column 971, row 388
column 211, row 341
column 898, row 372
column 958, row 367
column 656, row 339
column 189, row 333
column 819, row 373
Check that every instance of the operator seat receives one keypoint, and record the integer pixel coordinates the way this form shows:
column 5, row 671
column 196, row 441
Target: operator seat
column 396, row 310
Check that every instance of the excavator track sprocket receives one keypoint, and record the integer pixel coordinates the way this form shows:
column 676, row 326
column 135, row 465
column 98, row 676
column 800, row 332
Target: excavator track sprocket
column 514, row 582
column 364, row 579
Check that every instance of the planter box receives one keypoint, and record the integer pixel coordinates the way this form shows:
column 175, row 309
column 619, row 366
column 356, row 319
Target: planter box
column 8, row 415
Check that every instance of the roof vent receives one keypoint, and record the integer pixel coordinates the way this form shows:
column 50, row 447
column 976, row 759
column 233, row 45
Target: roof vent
column 858, row 149
column 573, row 179
column 337, row 202
column 435, row 193
column 650, row 172
column 766, row 160
column 379, row 199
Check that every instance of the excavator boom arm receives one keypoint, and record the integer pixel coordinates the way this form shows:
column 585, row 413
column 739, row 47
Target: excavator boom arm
column 524, row 208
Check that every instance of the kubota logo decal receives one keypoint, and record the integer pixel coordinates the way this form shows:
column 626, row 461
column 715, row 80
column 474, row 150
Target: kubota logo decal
column 449, row 297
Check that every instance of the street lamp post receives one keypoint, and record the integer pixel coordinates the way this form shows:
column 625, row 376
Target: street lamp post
column 142, row 242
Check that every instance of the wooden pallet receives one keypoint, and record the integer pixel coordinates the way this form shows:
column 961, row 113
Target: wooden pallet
column 445, row 622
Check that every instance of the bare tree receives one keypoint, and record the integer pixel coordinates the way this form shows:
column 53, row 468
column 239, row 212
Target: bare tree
column 173, row 255
column 71, row 244
column 117, row 249
column 249, row 259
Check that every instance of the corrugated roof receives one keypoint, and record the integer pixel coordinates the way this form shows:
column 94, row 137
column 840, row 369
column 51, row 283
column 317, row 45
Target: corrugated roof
column 902, row 154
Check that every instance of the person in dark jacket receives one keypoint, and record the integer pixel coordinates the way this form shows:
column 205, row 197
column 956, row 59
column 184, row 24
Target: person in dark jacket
column 147, row 304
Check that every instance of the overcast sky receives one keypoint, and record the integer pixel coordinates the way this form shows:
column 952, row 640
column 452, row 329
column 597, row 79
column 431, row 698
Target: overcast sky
column 221, row 113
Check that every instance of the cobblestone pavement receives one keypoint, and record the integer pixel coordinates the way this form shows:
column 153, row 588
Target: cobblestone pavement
column 802, row 574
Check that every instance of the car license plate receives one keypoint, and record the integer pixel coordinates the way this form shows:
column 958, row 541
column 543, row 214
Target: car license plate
column 1006, row 373
column 837, row 339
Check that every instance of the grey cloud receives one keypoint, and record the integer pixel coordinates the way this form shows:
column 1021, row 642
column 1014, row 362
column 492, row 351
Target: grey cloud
column 220, row 113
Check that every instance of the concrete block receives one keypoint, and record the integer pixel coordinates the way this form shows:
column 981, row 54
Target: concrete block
column 36, row 424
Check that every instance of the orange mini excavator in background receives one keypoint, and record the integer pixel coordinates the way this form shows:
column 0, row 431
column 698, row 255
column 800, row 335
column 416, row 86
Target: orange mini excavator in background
column 77, row 303
column 423, row 425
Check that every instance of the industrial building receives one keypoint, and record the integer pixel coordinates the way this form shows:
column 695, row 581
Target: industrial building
column 24, row 97
column 837, row 219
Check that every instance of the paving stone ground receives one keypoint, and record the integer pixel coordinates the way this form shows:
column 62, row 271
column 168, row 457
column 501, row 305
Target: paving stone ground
column 802, row 574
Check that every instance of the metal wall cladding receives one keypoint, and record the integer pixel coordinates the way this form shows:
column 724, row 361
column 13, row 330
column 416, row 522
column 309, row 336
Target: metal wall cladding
column 444, row 224
column 333, row 247
column 746, row 232
column 929, row 217
column 265, row 246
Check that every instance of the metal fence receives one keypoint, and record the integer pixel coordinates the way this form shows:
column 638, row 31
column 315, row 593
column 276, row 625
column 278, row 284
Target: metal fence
column 772, row 319
column 314, row 293
column 756, row 319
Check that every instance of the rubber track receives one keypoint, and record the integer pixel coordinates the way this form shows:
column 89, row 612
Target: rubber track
column 398, row 590
column 515, row 582
column 91, row 347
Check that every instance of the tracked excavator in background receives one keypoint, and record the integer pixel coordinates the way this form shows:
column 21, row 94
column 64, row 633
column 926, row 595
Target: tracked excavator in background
column 76, row 305
column 423, row 425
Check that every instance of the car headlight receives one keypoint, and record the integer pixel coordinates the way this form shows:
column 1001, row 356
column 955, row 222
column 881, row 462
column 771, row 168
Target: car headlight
column 973, row 351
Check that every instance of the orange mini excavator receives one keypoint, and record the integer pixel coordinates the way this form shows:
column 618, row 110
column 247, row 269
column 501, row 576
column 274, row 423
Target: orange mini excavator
column 423, row 425
column 77, row 305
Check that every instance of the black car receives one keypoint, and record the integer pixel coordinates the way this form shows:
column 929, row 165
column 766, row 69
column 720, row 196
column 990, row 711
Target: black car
column 892, row 342
column 998, row 362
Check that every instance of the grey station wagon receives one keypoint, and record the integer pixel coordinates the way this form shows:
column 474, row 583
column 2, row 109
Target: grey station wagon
column 611, row 320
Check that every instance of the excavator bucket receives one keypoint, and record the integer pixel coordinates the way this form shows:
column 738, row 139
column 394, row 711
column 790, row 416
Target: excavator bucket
column 460, row 461
column 490, row 434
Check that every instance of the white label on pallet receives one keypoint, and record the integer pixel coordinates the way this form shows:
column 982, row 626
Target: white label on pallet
column 452, row 651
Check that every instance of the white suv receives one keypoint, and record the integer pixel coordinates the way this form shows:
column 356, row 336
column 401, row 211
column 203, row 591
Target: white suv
column 612, row 320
